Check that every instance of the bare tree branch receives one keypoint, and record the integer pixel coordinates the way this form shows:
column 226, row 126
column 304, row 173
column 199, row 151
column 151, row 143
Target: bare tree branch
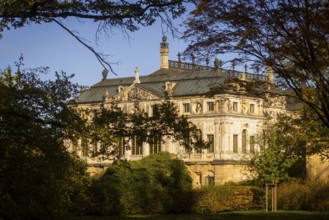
column 99, row 56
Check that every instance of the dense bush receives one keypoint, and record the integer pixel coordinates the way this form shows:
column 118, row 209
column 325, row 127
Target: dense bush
column 160, row 183
column 311, row 195
column 151, row 185
column 227, row 198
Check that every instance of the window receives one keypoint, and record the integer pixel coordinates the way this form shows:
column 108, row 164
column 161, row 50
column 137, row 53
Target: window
column 186, row 107
column 211, row 106
column 122, row 148
column 155, row 109
column 210, row 140
column 252, row 144
column 235, row 106
column 187, row 142
column 103, row 148
column 235, row 143
column 198, row 138
column 244, row 141
column 252, row 108
column 84, row 146
column 94, row 149
column 155, row 144
column 210, row 180
column 137, row 146
column 74, row 148
column 200, row 178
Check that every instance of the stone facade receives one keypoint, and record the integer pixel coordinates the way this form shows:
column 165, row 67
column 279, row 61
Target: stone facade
column 216, row 100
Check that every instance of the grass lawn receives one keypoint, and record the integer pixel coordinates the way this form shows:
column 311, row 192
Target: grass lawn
column 247, row 215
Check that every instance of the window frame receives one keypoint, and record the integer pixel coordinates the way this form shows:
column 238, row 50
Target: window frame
column 235, row 143
column 84, row 148
column 235, row 106
column 211, row 106
column 210, row 180
column 252, row 108
column 155, row 144
column 186, row 107
column 137, row 146
column 211, row 148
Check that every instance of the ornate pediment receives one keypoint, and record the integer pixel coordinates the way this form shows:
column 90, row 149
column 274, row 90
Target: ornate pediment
column 135, row 93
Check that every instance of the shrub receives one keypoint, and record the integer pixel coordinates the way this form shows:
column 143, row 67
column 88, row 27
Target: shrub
column 153, row 184
column 216, row 199
column 312, row 195
column 292, row 195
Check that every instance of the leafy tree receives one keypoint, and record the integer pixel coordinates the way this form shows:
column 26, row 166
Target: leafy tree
column 291, row 37
column 110, row 125
column 287, row 144
column 39, row 179
column 125, row 15
column 272, row 164
column 150, row 185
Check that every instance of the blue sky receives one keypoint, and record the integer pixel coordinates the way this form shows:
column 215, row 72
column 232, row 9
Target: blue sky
column 49, row 45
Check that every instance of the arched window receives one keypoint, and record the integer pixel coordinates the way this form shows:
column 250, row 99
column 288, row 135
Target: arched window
column 210, row 178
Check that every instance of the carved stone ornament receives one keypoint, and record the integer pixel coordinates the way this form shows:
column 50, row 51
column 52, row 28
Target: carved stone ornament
column 209, row 128
column 198, row 107
column 169, row 86
column 135, row 93
column 106, row 95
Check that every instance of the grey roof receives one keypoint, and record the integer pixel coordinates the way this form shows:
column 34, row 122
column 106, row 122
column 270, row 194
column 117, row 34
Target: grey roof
column 187, row 83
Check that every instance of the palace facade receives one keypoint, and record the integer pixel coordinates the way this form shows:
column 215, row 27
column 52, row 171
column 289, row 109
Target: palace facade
column 229, row 114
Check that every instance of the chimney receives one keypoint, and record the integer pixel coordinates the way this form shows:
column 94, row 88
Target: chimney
column 164, row 51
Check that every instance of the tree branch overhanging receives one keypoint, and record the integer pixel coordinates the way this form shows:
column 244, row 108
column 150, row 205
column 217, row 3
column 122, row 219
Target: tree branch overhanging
column 126, row 15
column 99, row 56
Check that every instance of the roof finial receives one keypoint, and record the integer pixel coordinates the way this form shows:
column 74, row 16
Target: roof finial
column 217, row 63
column 193, row 59
column 104, row 73
column 244, row 74
column 164, row 39
column 233, row 65
column 179, row 57
column 257, row 69
column 136, row 76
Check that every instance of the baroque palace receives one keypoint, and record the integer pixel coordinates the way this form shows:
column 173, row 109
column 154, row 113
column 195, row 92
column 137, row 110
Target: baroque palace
column 216, row 100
